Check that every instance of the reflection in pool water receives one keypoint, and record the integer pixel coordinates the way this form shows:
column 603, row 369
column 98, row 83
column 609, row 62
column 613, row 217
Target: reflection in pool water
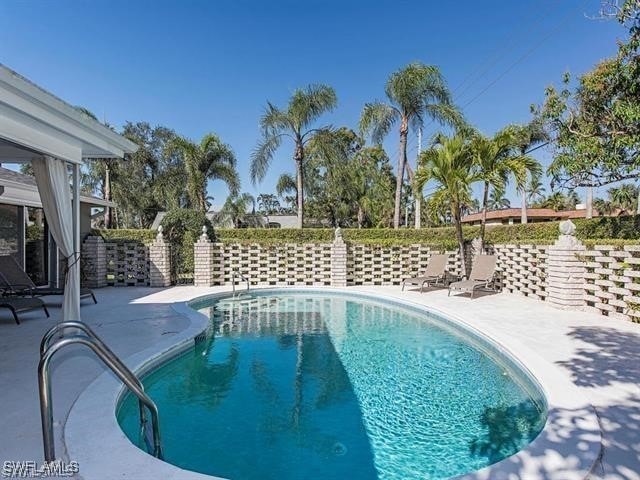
column 310, row 385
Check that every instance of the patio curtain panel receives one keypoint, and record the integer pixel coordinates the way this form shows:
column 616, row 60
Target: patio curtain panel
column 52, row 178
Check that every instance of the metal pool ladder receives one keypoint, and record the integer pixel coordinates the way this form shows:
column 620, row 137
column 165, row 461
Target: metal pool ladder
column 48, row 348
column 235, row 273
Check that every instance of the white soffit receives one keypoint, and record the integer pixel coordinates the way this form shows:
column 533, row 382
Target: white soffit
column 42, row 123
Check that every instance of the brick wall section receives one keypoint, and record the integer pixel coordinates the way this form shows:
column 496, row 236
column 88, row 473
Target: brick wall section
column 612, row 281
column 159, row 262
column 522, row 269
column 565, row 273
column 203, row 271
column 338, row 262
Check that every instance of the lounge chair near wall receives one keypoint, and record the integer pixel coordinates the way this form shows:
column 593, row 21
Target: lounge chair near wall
column 481, row 276
column 22, row 304
column 15, row 281
column 435, row 271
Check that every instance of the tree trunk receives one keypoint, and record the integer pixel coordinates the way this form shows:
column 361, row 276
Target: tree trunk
column 402, row 161
column 108, row 218
column 589, row 202
column 360, row 216
column 418, row 221
column 459, row 237
column 483, row 222
column 523, row 215
column 298, row 156
column 638, row 204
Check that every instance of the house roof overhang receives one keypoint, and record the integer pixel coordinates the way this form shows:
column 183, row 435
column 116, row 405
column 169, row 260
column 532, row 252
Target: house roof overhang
column 14, row 193
column 34, row 122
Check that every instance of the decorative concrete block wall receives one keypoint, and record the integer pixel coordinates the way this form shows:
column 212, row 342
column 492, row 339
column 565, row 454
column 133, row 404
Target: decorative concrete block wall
column 274, row 264
column 126, row 264
column 612, row 281
column 94, row 262
column 522, row 269
column 389, row 265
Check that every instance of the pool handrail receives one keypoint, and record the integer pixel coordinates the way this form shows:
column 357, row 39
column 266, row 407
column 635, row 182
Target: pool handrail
column 48, row 349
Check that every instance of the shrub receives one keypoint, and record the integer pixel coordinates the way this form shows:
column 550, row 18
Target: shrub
column 181, row 228
column 143, row 235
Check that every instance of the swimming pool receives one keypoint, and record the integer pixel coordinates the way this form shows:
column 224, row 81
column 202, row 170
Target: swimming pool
column 300, row 384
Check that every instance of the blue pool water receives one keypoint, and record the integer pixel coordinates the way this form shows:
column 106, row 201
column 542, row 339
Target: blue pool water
column 300, row 385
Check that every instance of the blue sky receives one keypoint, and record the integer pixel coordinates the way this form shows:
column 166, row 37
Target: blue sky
column 210, row 66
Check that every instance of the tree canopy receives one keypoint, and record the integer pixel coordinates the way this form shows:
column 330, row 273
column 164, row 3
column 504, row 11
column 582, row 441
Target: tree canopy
column 596, row 125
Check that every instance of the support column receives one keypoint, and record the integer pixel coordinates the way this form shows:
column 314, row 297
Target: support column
column 94, row 257
column 203, row 261
column 338, row 260
column 566, row 269
column 74, row 261
column 159, row 262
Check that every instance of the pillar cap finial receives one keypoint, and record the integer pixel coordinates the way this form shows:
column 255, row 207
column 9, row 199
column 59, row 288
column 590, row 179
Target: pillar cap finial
column 204, row 237
column 567, row 227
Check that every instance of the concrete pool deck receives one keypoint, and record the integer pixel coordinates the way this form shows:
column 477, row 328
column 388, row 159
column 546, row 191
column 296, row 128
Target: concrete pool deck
column 597, row 354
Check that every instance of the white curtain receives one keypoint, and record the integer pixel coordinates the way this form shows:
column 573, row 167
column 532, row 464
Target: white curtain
column 52, row 178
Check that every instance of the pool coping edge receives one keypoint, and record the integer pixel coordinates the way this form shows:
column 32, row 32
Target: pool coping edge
column 568, row 447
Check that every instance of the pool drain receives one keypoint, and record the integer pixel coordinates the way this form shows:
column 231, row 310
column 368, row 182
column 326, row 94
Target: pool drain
column 339, row 449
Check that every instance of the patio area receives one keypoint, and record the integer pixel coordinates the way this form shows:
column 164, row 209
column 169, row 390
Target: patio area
column 599, row 355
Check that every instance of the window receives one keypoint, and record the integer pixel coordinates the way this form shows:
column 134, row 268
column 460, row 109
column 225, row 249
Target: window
column 10, row 232
column 36, row 246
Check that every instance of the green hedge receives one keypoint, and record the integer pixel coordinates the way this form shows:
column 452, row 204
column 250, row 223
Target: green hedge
column 142, row 235
column 611, row 230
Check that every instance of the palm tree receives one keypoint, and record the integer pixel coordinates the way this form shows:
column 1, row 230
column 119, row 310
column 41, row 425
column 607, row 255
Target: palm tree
column 497, row 201
column 528, row 136
column 304, row 108
column 558, row 201
column 211, row 159
column 626, row 197
column 287, row 189
column 448, row 162
column 535, row 190
column 415, row 93
column 603, row 207
column 237, row 207
column 498, row 159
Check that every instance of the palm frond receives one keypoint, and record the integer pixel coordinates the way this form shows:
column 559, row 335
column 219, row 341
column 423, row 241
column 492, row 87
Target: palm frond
column 308, row 104
column 377, row 119
column 227, row 173
column 262, row 156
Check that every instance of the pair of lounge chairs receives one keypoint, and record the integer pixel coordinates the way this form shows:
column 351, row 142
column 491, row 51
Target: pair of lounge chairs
column 19, row 294
column 481, row 275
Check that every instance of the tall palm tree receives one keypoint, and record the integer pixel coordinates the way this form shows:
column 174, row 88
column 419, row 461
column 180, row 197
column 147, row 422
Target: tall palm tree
column 414, row 93
column 211, row 159
column 448, row 162
column 498, row 159
column 304, row 108
column 531, row 135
